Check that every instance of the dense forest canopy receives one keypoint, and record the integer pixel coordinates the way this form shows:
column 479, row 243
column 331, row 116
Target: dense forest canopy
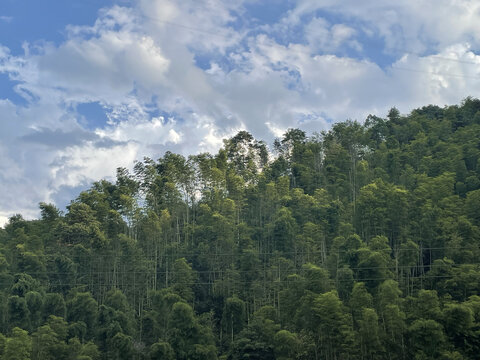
column 361, row 242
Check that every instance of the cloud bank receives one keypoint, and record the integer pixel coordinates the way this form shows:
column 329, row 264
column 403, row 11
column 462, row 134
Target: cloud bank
column 181, row 76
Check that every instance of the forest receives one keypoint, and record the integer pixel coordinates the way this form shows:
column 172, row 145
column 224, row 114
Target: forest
column 360, row 242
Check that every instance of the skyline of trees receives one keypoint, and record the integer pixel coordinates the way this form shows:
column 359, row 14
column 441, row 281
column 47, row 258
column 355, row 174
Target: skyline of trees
column 360, row 242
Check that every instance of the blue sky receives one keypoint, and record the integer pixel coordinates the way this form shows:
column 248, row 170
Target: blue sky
column 87, row 86
column 37, row 21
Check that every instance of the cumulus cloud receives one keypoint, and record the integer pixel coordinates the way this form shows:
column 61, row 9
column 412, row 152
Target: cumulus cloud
column 204, row 26
column 409, row 25
column 322, row 36
column 143, row 65
column 103, row 68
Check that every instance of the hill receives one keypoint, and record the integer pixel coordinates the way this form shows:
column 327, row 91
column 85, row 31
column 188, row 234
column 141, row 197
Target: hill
column 357, row 243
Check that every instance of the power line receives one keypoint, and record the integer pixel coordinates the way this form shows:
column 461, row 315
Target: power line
column 435, row 73
column 218, row 282
column 266, row 273
column 187, row 27
column 443, row 58
column 438, row 57
column 287, row 271
column 113, row 254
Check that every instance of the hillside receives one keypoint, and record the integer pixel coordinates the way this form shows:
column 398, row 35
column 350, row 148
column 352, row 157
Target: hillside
column 362, row 242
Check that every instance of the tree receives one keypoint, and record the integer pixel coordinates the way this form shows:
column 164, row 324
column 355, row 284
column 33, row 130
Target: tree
column 120, row 346
column 458, row 321
column 161, row 351
column 316, row 278
column 183, row 278
column 18, row 346
column 283, row 231
column 426, row 306
column 286, row 345
column 334, row 325
column 472, row 206
column 427, row 338
column 369, row 332
column 233, row 317
column 54, row 304
column 82, row 308
column 18, row 313
column 188, row 338
column 49, row 345
column 35, row 304
column 257, row 339
column 360, row 299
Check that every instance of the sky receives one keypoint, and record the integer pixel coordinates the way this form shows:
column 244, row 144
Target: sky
column 87, row 86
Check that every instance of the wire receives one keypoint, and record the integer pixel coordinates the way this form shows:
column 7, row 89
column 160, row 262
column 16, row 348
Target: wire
column 309, row 53
column 218, row 282
column 287, row 271
column 444, row 58
column 112, row 254
column 435, row 73
column 187, row 27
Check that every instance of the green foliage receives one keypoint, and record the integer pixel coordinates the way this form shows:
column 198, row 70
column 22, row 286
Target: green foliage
column 18, row 346
column 427, row 338
column 233, row 317
column 162, row 351
column 82, row 308
column 18, row 313
column 361, row 242
column 54, row 304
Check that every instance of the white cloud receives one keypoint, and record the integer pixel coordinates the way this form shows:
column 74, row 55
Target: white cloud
column 322, row 36
column 3, row 221
column 105, row 68
column 139, row 63
column 80, row 164
column 406, row 26
column 204, row 26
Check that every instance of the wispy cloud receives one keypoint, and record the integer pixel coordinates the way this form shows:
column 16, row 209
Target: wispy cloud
column 6, row 19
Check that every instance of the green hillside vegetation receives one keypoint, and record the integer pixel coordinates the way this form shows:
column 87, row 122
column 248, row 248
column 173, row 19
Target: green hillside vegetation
column 357, row 243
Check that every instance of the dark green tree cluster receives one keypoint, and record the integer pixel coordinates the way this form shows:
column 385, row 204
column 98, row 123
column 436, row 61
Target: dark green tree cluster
column 361, row 242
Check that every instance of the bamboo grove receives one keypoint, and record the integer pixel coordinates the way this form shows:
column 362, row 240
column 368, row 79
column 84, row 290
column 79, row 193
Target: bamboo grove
column 361, row 242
